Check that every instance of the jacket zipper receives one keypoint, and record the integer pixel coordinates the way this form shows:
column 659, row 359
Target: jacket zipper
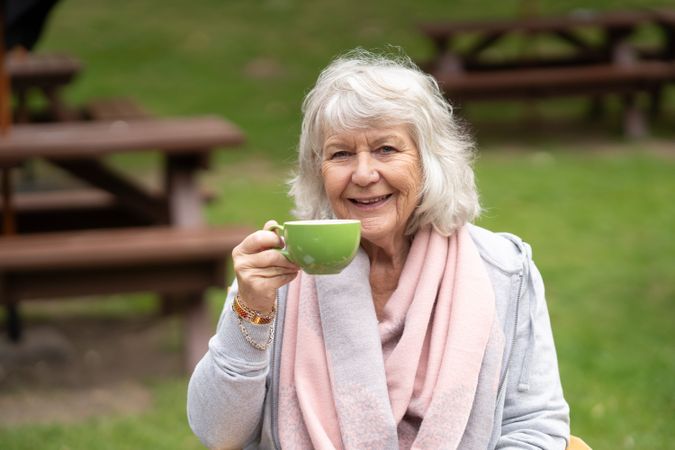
column 515, row 331
column 274, row 388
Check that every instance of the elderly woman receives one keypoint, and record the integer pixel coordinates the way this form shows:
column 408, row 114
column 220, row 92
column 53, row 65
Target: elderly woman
column 437, row 334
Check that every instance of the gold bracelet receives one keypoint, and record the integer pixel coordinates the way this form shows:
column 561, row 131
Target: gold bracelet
column 249, row 310
column 251, row 315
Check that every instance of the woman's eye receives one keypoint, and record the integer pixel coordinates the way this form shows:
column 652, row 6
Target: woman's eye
column 386, row 149
column 340, row 154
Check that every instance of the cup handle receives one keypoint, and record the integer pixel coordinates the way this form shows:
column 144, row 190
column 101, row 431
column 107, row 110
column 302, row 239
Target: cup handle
column 278, row 229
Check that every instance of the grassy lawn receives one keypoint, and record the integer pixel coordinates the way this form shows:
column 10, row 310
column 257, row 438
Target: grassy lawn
column 597, row 210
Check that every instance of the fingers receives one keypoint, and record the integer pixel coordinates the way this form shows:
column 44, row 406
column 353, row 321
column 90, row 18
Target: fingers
column 269, row 224
column 266, row 263
column 260, row 268
column 259, row 241
column 259, row 276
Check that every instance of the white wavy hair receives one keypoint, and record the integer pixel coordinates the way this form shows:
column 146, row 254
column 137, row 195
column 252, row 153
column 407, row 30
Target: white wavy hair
column 362, row 90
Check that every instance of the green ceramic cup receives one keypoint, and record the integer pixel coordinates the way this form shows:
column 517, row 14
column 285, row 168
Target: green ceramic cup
column 320, row 247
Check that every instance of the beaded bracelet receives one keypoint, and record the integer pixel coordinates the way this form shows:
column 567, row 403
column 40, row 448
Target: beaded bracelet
column 260, row 346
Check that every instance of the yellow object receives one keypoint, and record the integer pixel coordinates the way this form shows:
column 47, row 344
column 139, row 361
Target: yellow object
column 251, row 315
column 577, row 444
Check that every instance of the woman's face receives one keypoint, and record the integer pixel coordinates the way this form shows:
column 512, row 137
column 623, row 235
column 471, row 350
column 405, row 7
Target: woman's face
column 373, row 175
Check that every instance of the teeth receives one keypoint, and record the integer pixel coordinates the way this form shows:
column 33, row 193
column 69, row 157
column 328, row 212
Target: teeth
column 372, row 200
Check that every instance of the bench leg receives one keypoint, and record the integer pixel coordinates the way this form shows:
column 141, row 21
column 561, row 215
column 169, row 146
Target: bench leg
column 13, row 322
column 22, row 112
column 634, row 124
column 57, row 109
column 655, row 104
column 597, row 109
column 12, row 306
column 197, row 330
column 171, row 304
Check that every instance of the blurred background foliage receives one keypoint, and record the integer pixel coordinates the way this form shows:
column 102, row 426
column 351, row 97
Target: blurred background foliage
column 596, row 208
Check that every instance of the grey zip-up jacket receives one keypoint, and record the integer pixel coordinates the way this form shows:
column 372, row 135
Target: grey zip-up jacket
column 233, row 392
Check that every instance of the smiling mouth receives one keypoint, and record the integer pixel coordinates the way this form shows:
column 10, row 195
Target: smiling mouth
column 373, row 201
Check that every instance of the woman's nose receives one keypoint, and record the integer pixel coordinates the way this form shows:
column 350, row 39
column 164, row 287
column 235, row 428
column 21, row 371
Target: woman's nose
column 365, row 171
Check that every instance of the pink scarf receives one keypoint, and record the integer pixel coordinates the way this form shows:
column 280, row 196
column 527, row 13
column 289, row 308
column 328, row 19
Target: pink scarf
column 425, row 377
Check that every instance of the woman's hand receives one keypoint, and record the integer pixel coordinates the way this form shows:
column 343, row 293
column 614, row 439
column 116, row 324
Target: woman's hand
column 261, row 269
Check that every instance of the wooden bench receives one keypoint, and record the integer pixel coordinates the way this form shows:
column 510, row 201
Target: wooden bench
column 71, row 209
column 179, row 264
column 559, row 81
column 77, row 209
column 588, row 80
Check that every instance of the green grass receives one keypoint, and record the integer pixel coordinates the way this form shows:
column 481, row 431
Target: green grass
column 598, row 211
column 601, row 230
column 162, row 427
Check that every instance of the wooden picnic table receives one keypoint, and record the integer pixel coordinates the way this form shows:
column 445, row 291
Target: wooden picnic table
column 600, row 59
column 615, row 27
column 78, row 148
column 47, row 73
column 119, row 237
column 172, row 253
